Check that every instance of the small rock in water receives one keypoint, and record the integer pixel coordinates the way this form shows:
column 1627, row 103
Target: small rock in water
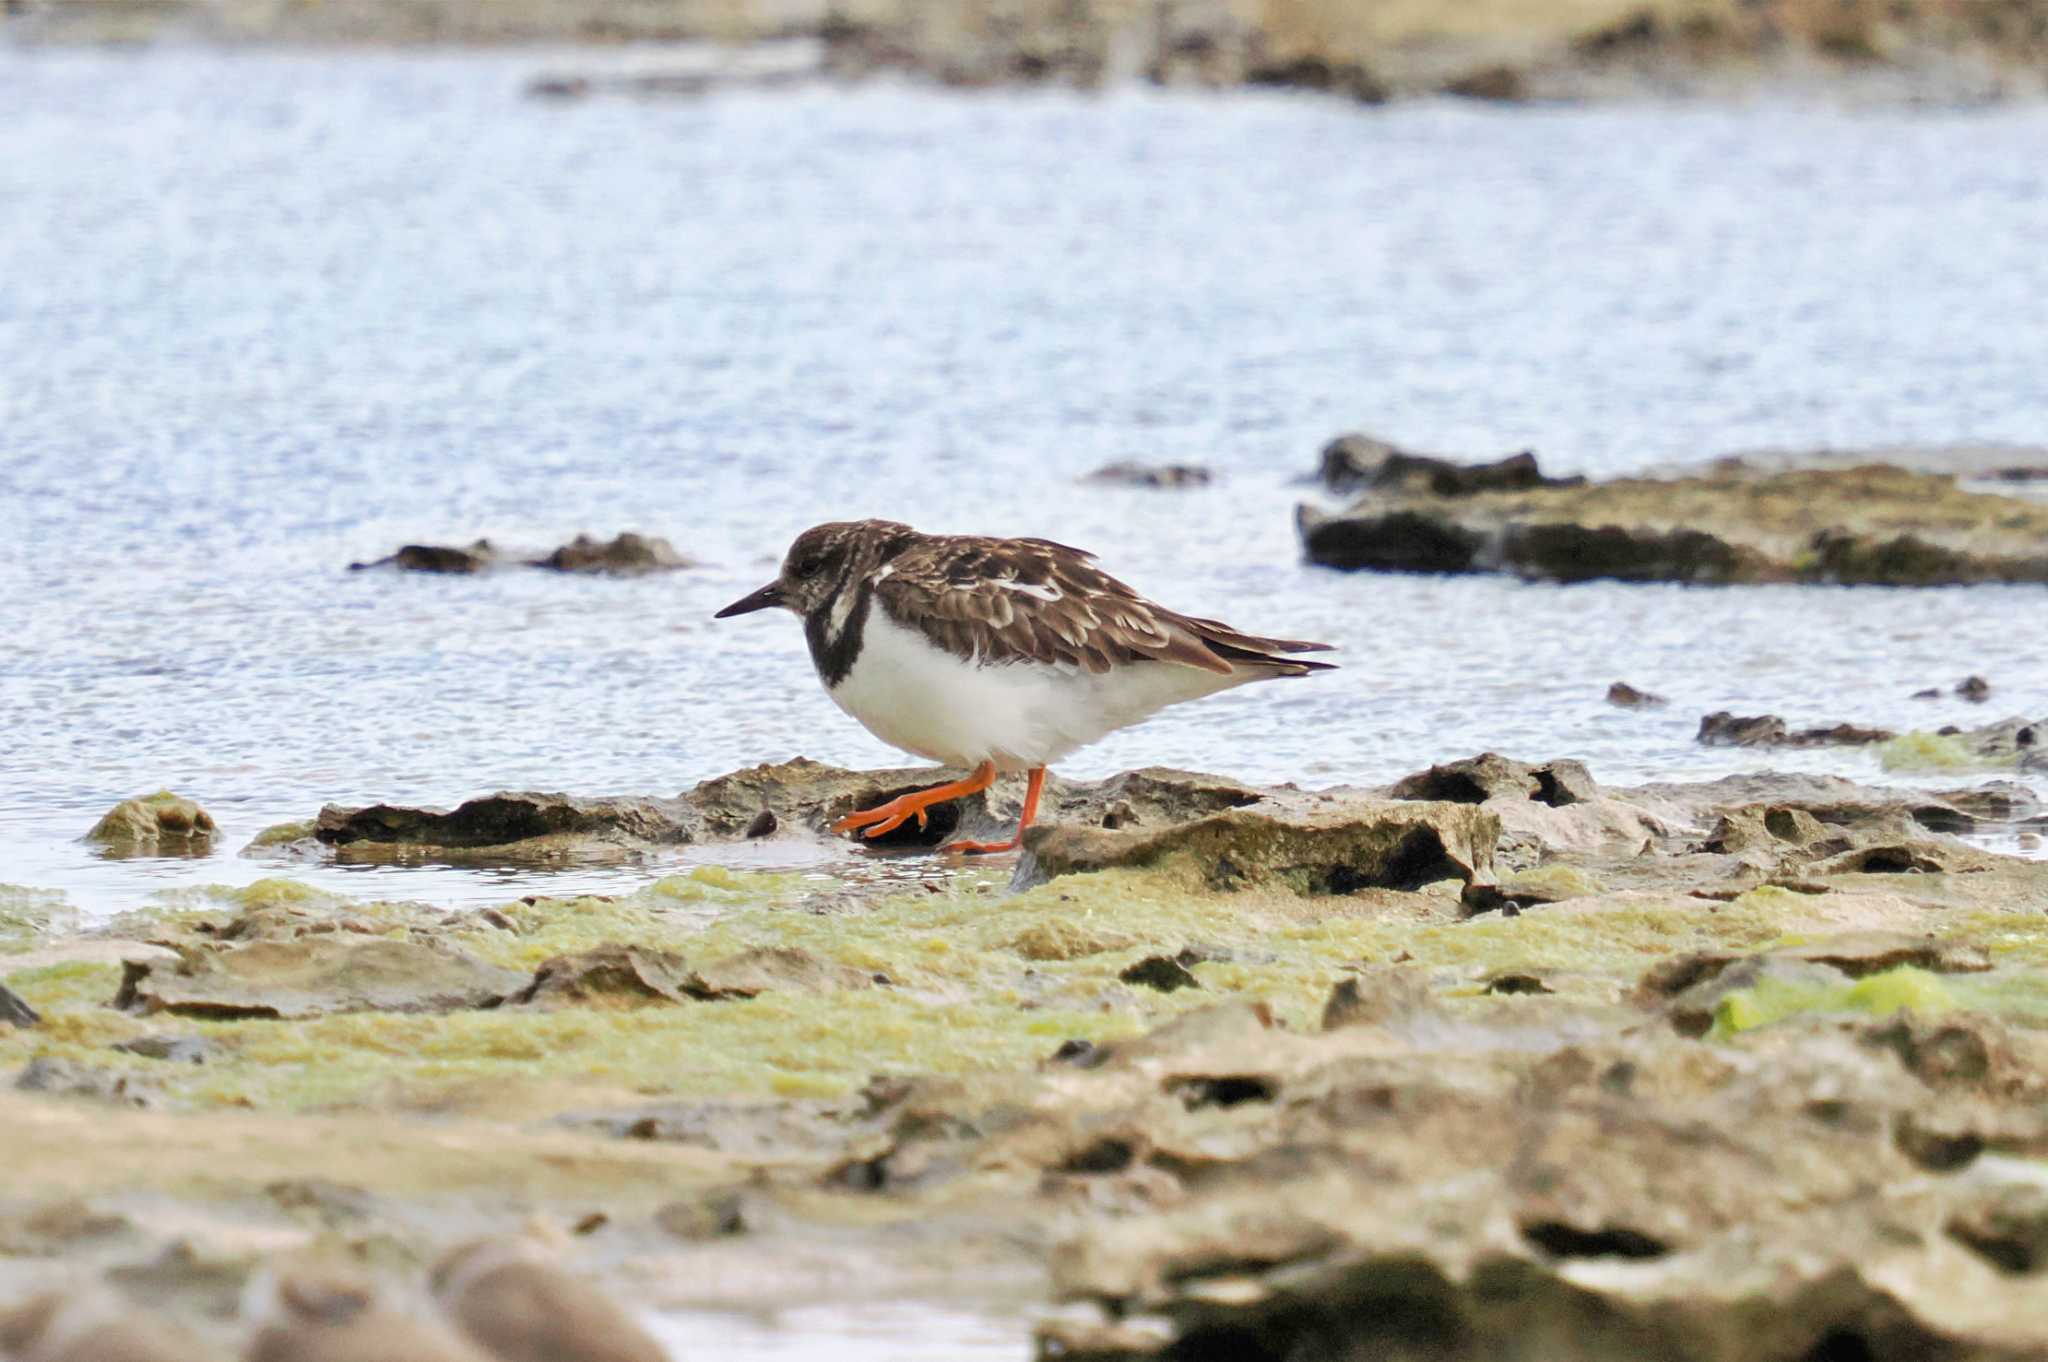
column 1931, row 693
column 628, row 555
column 1152, row 475
column 436, row 558
column 1625, row 696
column 1975, row 689
column 163, row 824
column 1722, row 729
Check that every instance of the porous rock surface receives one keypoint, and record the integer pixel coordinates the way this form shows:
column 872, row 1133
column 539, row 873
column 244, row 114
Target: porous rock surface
column 1730, row 522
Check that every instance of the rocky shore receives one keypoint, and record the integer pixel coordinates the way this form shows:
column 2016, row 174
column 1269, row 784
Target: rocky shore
column 1492, row 49
column 1492, row 1062
column 1733, row 521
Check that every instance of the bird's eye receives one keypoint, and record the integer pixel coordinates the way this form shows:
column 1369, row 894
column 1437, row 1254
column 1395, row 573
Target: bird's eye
column 810, row 565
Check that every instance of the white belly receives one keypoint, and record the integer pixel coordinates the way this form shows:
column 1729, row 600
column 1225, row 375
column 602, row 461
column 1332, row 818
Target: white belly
column 1017, row 714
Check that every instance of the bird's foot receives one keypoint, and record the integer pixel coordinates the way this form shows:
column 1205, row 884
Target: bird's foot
column 886, row 818
column 982, row 848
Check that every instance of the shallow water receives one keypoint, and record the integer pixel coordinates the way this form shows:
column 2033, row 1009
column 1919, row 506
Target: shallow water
column 265, row 315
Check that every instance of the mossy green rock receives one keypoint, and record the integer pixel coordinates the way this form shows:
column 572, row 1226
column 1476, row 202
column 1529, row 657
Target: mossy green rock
column 152, row 822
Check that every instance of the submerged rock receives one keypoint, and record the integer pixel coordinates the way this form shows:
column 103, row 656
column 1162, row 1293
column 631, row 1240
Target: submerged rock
column 1151, row 475
column 1624, row 696
column 1722, row 729
column 161, row 824
column 313, row 976
column 1728, row 523
column 627, row 555
column 443, row 558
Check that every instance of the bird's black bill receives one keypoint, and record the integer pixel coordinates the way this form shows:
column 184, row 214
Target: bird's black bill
column 768, row 595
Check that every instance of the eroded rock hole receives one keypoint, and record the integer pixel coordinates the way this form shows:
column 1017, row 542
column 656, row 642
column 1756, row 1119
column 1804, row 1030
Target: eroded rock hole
column 1103, row 1156
column 1840, row 1345
column 1223, row 1090
column 1560, row 1240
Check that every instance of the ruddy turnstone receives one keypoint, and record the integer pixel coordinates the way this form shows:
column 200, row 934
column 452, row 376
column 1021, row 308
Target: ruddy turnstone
column 1002, row 655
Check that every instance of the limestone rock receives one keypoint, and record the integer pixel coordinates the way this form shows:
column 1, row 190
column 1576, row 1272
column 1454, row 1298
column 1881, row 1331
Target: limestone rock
column 314, row 976
column 161, row 824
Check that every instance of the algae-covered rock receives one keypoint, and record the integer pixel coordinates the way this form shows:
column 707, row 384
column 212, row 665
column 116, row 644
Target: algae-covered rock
column 314, row 976
column 626, row 555
column 1336, row 848
column 70, row 1078
column 1728, row 523
column 772, row 969
column 161, row 824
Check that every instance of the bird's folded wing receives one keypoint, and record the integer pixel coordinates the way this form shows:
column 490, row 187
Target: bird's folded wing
column 1019, row 600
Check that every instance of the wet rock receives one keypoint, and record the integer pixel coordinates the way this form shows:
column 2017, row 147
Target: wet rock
column 1975, row 689
column 14, row 1010
column 1352, row 463
column 519, row 1306
column 1489, row 775
column 93, row 1326
column 1722, row 729
column 1161, row 972
column 69, row 1078
column 627, row 555
column 506, row 825
column 162, row 824
column 1728, row 523
column 1624, row 696
column 1690, row 988
column 1151, row 475
column 1340, row 848
column 436, row 558
column 170, row 1049
column 311, row 977
column 327, row 1319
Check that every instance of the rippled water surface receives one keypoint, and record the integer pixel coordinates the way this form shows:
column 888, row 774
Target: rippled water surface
column 265, row 315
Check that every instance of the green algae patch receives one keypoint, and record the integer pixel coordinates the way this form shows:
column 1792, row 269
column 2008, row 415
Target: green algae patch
column 1877, row 995
column 26, row 914
column 1924, row 752
column 281, row 834
column 720, row 884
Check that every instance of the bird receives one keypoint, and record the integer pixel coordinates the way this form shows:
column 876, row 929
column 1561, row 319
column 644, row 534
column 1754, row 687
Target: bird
column 997, row 655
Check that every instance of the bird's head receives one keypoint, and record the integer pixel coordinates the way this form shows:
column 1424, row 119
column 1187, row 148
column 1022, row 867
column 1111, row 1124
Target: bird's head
column 822, row 561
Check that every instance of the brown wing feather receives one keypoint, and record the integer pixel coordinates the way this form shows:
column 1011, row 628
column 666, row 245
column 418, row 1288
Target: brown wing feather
column 1005, row 600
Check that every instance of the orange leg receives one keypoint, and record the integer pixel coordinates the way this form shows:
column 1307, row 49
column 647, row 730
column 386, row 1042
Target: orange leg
column 1030, row 811
column 892, row 815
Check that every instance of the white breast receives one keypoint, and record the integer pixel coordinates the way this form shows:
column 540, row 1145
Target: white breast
column 914, row 695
